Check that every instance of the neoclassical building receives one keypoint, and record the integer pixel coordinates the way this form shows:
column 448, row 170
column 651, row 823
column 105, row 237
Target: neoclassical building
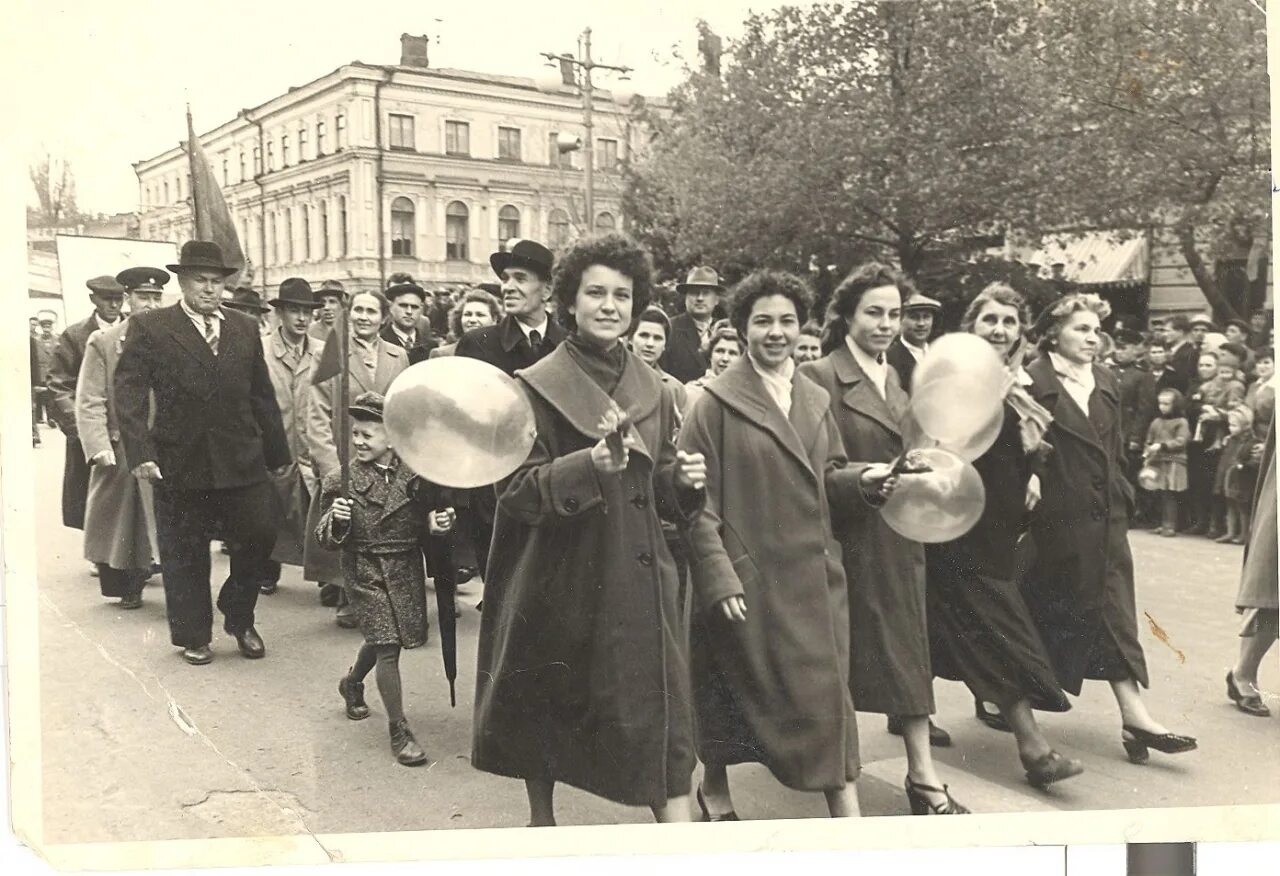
column 370, row 170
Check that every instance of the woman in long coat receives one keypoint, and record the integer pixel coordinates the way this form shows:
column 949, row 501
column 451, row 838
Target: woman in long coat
column 888, row 625
column 1080, row 589
column 770, row 637
column 982, row 632
column 1258, row 599
column 582, row 674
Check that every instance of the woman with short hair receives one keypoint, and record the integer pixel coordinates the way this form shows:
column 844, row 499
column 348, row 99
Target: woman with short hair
column 724, row 346
column 476, row 308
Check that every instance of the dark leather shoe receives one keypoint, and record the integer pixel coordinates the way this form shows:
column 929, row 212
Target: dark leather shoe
column 994, row 720
column 330, row 594
column 1052, row 767
column 198, row 656
column 1249, row 703
column 266, row 588
column 404, row 746
column 938, row 738
column 251, row 644
column 353, row 695
column 132, row 601
column 706, row 811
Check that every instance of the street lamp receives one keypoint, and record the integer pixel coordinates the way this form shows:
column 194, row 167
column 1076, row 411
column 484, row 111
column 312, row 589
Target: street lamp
column 583, row 67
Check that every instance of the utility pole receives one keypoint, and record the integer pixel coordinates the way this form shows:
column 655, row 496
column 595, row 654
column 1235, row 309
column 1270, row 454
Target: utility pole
column 585, row 65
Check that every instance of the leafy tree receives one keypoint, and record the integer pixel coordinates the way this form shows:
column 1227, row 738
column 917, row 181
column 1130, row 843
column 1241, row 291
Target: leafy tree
column 55, row 188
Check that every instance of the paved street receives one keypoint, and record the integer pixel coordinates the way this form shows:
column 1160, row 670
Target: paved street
column 139, row 745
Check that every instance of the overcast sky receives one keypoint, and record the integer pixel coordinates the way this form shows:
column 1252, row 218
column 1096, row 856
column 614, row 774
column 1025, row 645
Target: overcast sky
column 104, row 82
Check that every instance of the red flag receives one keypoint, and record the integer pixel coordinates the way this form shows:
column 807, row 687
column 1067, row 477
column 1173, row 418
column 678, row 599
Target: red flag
column 330, row 362
column 212, row 218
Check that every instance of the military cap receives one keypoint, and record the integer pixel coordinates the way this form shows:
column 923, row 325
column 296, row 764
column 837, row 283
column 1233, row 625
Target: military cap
column 105, row 285
column 143, row 279
column 368, row 407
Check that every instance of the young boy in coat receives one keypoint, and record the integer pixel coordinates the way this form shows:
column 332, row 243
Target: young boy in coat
column 382, row 529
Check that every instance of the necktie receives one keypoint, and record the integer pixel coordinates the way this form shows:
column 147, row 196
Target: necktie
column 210, row 337
column 535, row 340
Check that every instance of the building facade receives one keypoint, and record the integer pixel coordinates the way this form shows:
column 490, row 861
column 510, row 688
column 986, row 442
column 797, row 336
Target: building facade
column 371, row 170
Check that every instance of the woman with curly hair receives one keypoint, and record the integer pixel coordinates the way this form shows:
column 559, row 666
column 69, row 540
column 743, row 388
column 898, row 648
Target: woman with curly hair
column 475, row 309
column 770, row 631
column 582, row 672
column 1080, row 589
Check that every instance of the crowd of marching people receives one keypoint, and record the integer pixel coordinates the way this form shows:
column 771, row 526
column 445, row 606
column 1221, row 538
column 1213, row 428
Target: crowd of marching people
column 692, row 565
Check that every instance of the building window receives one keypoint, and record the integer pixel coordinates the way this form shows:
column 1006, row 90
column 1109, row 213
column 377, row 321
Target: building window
column 226, row 170
column 320, row 132
column 339, row 131
column 288, row 235
column 605, row 222
column 274, row 239
column 242, row 174
column 606, row 154
column 306, row 232
column 284, row 150
column 271, row 156
column 509, row 144
column 302, row 142
column 342, row 225
column 457, row 229
column 324, row 228
column 457, row 138
column 400, row 133
column 402, row 227
column 257, row 160
column 555, row 157
column 166, row 192
column 508, row 223
column 558, row 227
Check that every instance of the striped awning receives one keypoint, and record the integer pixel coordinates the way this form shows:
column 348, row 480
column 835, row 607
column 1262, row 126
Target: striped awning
column 1099, row 258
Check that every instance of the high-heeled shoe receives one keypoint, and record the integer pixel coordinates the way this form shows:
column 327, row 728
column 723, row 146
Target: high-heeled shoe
column 1136, row 742
column 994, row 720
column 922, row 805
column 706, row 813
column 1250, row 704
column 1049, row 768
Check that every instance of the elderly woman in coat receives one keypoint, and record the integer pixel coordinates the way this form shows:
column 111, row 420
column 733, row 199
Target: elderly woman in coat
column 770, row 638
column 888, row 626
column 582, row 674
column 1080, row 589
column 1259, row 596
column 476, row 309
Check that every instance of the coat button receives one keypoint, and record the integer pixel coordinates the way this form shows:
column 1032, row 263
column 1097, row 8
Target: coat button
column 645, row 558
column 641, row 501
column 571, row 504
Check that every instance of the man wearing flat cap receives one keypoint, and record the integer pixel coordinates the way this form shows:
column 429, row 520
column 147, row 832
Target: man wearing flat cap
column 217, row 432
column 331, row 296
column 919, row 313
column 683, row 357
column 119, row 520
column 406, row 328
column 108, row 299
column 46, row 343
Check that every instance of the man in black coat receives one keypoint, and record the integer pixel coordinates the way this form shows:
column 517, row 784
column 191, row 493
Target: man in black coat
column 683, row 357
column 919, row 313
column 1184, row 355
column 406, row 328
column 217, row 432
column 1137, row 410
column 64, row 370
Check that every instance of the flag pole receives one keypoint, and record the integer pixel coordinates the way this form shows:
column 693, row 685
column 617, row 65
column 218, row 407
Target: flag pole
column 201, row 228
column 344, row 388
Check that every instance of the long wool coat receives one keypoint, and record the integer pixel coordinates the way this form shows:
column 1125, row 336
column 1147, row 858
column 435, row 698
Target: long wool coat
column 1259, row 587
column 582, row 675
column 382, row 548
column 774, row 689
column 64, row 370
column 889, row 635
column 291, row 381
column 1080, row 589
column 119, row 520
column 320, row 564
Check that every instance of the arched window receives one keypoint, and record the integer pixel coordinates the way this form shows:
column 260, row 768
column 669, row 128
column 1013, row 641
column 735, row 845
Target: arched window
column 402, row 227
column 558, row 227
column 284, row 150
column 457, row 231
column 508, row 223
column 320, row 132
column 605, row 222
column 166, row 192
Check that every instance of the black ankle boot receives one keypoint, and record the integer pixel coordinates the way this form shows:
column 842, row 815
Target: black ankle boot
column 404, row 746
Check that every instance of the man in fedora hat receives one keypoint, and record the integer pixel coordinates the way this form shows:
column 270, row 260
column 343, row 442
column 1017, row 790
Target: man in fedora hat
column 119, row 520
column 247, row 300
column 290, row 352
column 217, row 432
column 107, row 296
column 918, row 315
column 683, row 358
column 331, row 296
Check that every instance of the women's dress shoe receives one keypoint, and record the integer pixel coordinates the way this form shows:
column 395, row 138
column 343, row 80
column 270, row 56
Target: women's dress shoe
column 1136, row 742
column 922, row 805
column 1052, row 767
column 706, row 813
column 1249, row 703
column 938, row 737
column 198, row 656
column 353, row 695
column 994, row 720
column 404, row 746
column 250, row 644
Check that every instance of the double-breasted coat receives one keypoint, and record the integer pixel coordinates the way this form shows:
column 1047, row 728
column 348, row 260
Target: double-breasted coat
column 775, row 688
column 582, row 675
column 889, row 638
column 382, row 549
column 291, row 379
column 64, row 370
column 119, row 521
column 1080, row 588
column 320, row 563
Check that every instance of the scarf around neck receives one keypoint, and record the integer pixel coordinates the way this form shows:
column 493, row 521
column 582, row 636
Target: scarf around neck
column 605, row 367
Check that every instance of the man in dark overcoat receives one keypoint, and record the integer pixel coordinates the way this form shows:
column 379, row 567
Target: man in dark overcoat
column 683, row 358
column 1137, row 409
column 108, row 299
column 217, row 431
column 919, row 312
column 405, row 328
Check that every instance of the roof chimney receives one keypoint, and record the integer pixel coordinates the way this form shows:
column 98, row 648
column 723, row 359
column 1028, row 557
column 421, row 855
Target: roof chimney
column 413, row 50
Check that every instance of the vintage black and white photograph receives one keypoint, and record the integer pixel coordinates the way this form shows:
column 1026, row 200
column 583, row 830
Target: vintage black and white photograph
column 451, row 416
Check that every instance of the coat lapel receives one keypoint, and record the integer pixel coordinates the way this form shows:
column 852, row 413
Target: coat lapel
column 389, row 358
column 1049, row 391
column 740, row 388
column 184, row 331
column 861, row 395
column 559, row 380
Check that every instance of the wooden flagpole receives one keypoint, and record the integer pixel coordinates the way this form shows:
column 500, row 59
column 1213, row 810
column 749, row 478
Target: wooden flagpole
column 201, row 228
column 343, row 438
